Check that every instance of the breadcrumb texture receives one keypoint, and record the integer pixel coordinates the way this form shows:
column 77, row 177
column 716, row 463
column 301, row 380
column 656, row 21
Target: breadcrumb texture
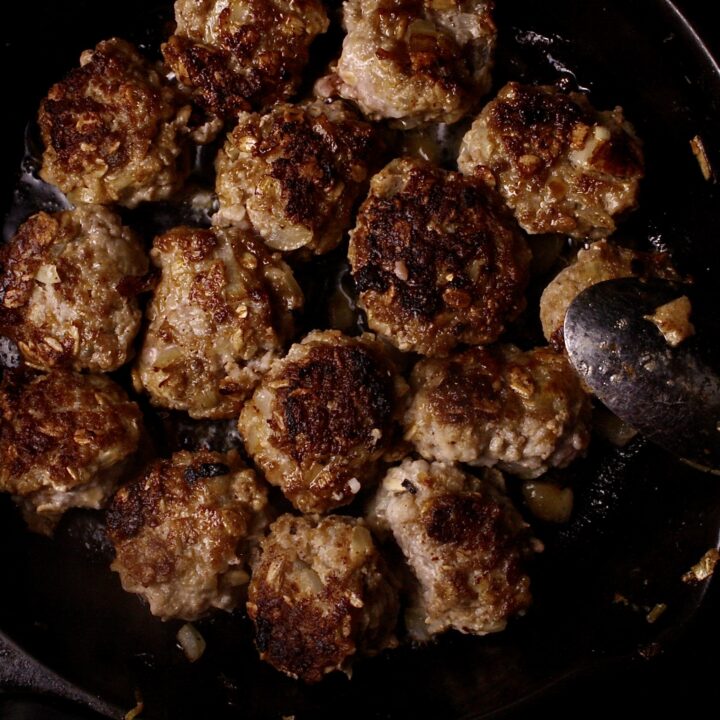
column 69, row 287
column 220, row 314
column 66, row 440
column 295, row 173
column 465, row 545
column 562, row 166
column 320, row 596
column 525, row 412
column 436, row 259
column 416, row 61
column 185, row 531
column 241, row 55
column 115, row 130
column 322, row 418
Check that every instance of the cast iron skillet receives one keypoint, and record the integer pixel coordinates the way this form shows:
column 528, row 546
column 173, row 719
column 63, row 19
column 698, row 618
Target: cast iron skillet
column 642, row 519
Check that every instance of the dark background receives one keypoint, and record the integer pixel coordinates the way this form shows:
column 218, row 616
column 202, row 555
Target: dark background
column 680, row 681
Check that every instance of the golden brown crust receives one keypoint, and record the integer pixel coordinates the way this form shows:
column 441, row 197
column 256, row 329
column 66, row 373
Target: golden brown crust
column 246, row 56
column 62, row 434
column 464, row 542
column 184, row 531
column 436, row 259
column 221, row 312
column 113, row 130
column 560, row 164
column 68, row 287
column 318, row 596
column 297, row 171
column 322, row 417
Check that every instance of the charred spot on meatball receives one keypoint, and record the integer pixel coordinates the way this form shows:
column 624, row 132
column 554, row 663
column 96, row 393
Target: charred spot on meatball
column 436, row 259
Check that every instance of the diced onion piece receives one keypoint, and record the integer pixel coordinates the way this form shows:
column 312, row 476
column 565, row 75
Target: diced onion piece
column 548, row 501
column 191, row 642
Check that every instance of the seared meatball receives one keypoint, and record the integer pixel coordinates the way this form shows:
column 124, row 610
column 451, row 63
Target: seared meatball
column 561, row 165
column 436, row 259
column 242, row 54
column 322, row 417
column 66, row 440
column 115, row 131
column 69, row 284
column 599, row 262
column 184, row 533
column 220, row 313
column 320, row 596
column 296, row 173
column 524, row 411
column 464, row 542
column 416, row 61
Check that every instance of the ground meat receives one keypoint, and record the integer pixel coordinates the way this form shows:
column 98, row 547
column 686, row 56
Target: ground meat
column 562, row 166
column 436, row 259
column 69, row 283
column 320, row 596
column 601, row 261
column 221, row 312
column 242, row 54
column 115, row 131
column 464, row 542
column 524, row 411
column 66, row 440
column 184, row 533
column 322, row 417
column 295, row 173
column 416, row 61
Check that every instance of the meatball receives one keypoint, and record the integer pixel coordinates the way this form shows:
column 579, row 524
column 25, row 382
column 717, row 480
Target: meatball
column 562, row 166
column 185, row 531
column 416, row 61
column 597, row 263
column 322, row 417
column 115, row 131
column 436, row 259
column 219, row 315
column 523, row 411
column 242, row 54
column 66, row 440
column 296, row 173
column 464, row 542
column 70, row 282
column 320, row 595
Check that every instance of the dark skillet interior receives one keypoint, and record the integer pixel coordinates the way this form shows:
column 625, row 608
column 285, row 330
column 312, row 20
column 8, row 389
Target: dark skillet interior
column 641, row 518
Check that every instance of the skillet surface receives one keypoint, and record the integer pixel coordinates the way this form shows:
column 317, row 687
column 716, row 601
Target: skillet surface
column 642, row 519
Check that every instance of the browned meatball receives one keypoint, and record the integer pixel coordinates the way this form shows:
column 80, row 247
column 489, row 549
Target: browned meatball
column 295, row 173
column 464, row 542
column 66, row 440
column 436, row 259
column 322, row 417
column 597, row 263
column 524, row 411
column 220, row 313
column 69, row 284
column 115, row 131
column 320, row 596
column 416, row 61
column 562, row 166
column 184, row 533
column 242, row 54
